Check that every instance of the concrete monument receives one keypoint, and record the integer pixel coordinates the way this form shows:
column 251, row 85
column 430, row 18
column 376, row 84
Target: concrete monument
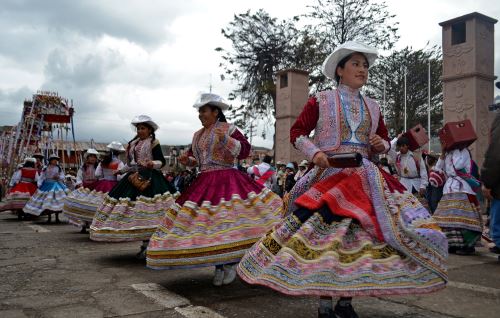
column 292, row 91
column 468, row 61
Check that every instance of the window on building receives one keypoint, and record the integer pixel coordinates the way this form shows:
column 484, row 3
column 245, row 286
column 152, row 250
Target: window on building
column 283, row 80
column 458, row 34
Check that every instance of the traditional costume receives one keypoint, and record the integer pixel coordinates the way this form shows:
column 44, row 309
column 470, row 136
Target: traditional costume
column 23, row 186
column 352, row 231
column 458, row 213
column 263, row 174
column 132, row 210
column 94, row 183
column 410, row 168
column 224, row 211
column 49, row 198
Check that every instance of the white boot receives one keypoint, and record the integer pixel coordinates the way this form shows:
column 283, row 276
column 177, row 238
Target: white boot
column 229, row 274
column 218, row 277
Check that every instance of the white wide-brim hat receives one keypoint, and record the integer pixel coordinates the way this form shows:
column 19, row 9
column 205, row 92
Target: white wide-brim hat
column 212, row 99
column 304, row 163
column 144, row 119
column 345, row 49
column 115, row 145
column 54, row 156
column 29, row 159
column 91, row 151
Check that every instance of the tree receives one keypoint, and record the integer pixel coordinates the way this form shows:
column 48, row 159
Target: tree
column 391, row 70
column 261, row 46
column 338, row 21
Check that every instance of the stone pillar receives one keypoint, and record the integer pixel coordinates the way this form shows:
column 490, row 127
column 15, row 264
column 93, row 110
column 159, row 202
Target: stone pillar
column 292, row 91
column 468, row 74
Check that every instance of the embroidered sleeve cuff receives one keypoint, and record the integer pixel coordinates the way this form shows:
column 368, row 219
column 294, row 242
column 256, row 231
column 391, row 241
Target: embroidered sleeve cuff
column 232, row 144
column 304, row 144
column 157, row 164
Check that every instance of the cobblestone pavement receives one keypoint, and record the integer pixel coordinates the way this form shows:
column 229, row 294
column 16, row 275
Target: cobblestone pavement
column 49, row 270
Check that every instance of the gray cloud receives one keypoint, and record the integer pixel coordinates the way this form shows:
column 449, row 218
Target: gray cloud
column 138, row 21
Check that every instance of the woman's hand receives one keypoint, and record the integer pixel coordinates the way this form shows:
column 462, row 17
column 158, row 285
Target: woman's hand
column 320, row 159
column 219, row 134
column 147, row 164
column 377, row 143
column 184, row 159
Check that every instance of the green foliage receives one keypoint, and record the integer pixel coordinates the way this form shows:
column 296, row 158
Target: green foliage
column 391, row 69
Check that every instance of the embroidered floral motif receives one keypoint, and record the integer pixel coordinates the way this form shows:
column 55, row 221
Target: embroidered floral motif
column 212, row 155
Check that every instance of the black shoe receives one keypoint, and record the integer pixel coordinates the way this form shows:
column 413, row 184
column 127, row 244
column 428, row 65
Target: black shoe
column 495, row 249
column 345, row 312
column 325, row 313
column 466, row 251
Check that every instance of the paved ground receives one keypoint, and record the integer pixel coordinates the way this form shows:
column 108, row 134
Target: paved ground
column 54, row 271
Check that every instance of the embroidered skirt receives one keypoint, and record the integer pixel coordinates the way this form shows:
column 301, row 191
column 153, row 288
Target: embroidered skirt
column 81, row 205
column 48, row 198
column 18, row 196
column 126, row 214
column 460, row 217
column 350, row 232
column 221, row 215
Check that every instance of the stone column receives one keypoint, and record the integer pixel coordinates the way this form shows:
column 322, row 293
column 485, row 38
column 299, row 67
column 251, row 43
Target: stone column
column 292, row 91
column 468, row 75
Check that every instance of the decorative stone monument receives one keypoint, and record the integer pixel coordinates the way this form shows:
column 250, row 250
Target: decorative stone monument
column 292, row 91
column 468, row 66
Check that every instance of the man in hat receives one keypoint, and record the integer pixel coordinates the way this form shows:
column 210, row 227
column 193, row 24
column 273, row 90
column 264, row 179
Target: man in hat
column 263, row 173
column 490, row 176
column 302, row 170
column 409, row 166
column 279, row 181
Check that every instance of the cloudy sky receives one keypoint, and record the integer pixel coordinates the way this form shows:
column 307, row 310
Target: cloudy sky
column 117, row 59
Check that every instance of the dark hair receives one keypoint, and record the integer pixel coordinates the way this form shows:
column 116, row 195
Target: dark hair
column 403, row 141
column 84, row 166
column 220, row 114
column 137, row 136
column 106, row 160
column 267, row 159
column 29, row 164
column 342, row 64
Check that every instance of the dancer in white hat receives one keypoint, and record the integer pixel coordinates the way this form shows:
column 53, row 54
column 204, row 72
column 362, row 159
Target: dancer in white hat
column 23, row 186
column 49, row 198
column 223, row 212
column 132, row 210
column 81, row 205
column 352, row 231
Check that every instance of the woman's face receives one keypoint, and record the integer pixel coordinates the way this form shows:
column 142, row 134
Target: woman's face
column 53, row 162
column 355, row 71
column 91, row 159
column 207, row 116
column 143, row 131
